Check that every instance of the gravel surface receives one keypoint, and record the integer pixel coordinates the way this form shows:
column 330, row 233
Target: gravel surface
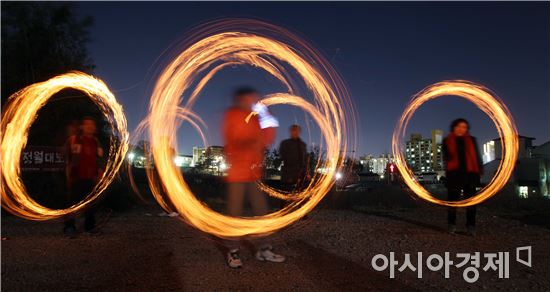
column 331, row 250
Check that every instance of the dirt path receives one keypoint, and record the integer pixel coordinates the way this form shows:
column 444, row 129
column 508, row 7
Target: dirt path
column 331, row 251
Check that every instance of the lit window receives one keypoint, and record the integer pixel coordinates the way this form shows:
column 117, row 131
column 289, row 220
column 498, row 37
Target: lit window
column 523, row 191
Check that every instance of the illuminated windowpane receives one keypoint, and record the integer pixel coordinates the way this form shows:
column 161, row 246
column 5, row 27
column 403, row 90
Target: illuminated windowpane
column 523, row 191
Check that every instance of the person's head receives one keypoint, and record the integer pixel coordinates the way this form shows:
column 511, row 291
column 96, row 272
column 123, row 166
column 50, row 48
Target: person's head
column 460, row 127
column 87, row 125
column 245, row 97
column 295, row 131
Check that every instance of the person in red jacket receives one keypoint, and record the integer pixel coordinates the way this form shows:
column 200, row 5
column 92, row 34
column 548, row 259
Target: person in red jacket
column 82, row 171
column 248, row 129
column 463, row 170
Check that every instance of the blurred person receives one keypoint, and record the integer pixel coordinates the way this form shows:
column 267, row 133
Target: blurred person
column 463, row 170
column 82, row 171
column 293, row 152
column 171, row 212
column 246, row 137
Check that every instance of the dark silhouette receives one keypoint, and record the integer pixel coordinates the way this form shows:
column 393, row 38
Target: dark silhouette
column 293, row 152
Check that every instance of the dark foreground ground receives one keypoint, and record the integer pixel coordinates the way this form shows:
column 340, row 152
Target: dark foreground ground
column 332, row 250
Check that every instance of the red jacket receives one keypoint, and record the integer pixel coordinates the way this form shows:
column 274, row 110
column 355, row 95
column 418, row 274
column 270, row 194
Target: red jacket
column 245, row 144
column 82, row 157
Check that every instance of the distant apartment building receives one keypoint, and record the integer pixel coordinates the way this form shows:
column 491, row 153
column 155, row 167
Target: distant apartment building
column 200, row 154
column 531, row 175
column 488, row 152
column 425, row 154
column 376, row 165
column 183, row 161
column 213, row 156
column 437, row 141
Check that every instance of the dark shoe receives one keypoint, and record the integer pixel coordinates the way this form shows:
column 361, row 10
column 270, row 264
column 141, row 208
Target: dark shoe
column 89, row 223
column 451, row 229
column 70, row 232
column 471, row 230
column 93, row 232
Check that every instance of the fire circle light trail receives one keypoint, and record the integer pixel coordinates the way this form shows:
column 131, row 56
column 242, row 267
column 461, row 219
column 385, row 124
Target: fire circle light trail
column 17, row 119
column 185, row 116
column 212, row 48
column 489, row 103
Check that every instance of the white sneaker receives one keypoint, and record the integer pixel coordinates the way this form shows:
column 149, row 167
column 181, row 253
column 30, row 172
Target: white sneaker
column 265, row 254
column 233, row 259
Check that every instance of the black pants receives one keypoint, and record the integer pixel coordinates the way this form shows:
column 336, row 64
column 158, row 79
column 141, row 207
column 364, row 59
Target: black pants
column 453, row 194
column 78, row 191
column 287, row 187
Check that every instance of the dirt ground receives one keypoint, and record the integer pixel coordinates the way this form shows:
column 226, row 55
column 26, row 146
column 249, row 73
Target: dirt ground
column 331, row 250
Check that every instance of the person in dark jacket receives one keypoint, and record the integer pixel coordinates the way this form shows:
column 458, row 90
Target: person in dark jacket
column 293, row 152
column 463, row 169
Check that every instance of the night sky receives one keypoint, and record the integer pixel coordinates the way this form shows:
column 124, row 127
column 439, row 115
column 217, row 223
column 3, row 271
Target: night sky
column 386, row 52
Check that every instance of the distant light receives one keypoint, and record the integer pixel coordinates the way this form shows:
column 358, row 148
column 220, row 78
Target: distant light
column 179, row 161
column 338, row 175
column 223, row 166
column 523, row 191
column 382, row 176
column 131, row 156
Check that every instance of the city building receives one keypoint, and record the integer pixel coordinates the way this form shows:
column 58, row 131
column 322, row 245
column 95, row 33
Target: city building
column 488, row 151
column 201, row 154
column 210, row 159
column 531, row 175
column 425, row 155
column 183, row 161
column 437, row 141
column 376, row 165
column 198, row 155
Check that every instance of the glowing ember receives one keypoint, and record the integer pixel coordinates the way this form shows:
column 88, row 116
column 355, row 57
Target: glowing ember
column 489, row 103
column 18, row 117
